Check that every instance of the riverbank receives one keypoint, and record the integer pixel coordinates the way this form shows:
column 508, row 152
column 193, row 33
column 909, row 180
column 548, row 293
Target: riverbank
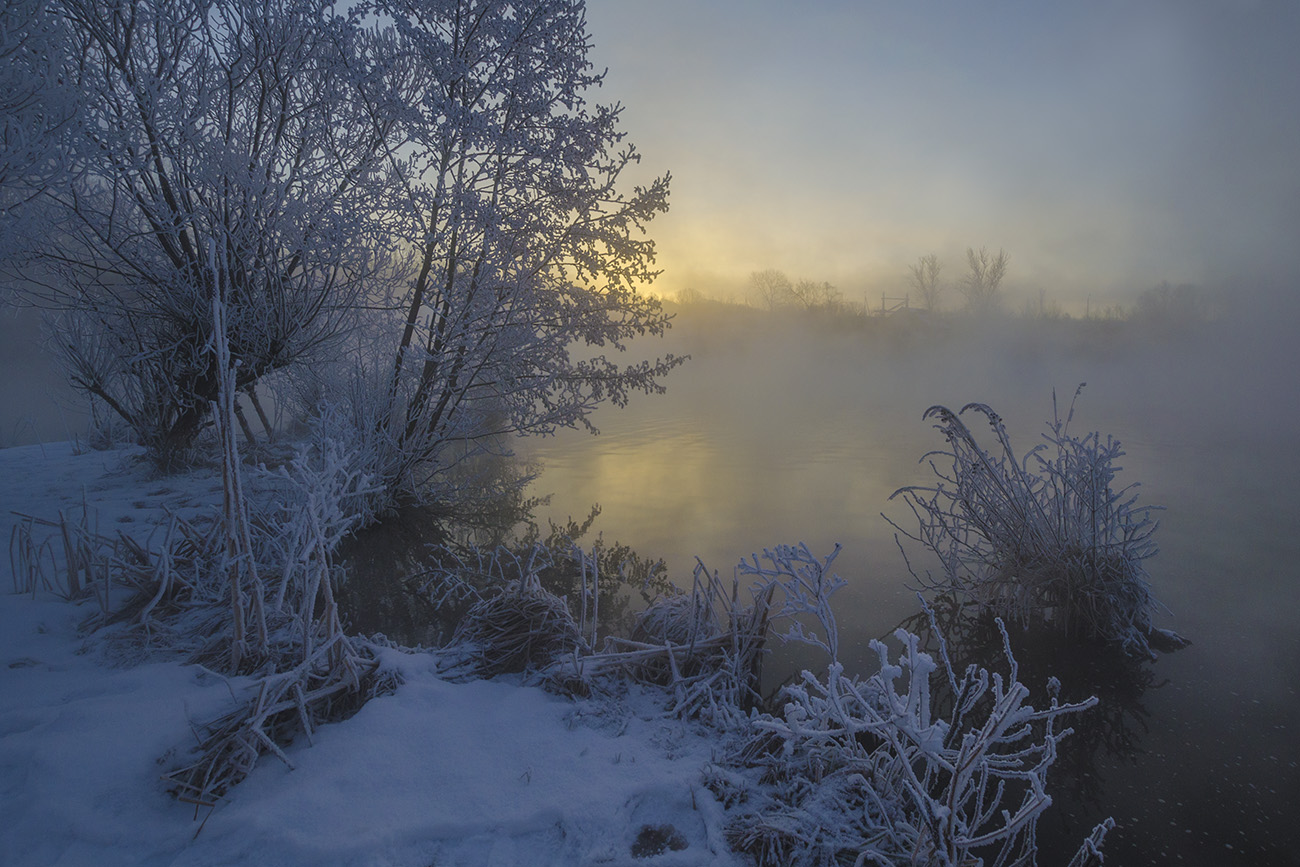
column 486, row 772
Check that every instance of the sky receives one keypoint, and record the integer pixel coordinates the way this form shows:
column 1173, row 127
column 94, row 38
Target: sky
column 1106, row 145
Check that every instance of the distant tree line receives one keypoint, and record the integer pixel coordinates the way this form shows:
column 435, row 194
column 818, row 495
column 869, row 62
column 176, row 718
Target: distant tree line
column 979, row 287
column 771, row 289
column 1166, row 305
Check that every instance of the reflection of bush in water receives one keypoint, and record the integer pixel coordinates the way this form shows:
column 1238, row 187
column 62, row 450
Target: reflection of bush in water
column 383, row 575
column 622, row 575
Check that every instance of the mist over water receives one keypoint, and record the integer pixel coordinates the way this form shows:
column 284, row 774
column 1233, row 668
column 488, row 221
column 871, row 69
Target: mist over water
column 784, row 429
column 781, row 430
column 36, row 403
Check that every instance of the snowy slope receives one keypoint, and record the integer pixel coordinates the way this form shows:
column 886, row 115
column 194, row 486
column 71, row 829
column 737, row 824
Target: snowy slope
column 438, row 773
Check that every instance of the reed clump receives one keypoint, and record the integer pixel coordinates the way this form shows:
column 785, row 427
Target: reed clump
column 1048, row 537
column 521, row 628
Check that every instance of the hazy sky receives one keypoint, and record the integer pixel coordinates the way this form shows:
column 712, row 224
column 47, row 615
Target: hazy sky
column 1105, row 144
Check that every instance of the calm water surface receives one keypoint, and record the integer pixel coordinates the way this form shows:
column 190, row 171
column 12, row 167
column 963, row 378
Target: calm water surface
column 779, row 438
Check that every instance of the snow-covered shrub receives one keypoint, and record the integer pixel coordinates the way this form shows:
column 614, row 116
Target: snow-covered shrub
column 854, row 771
column 1044, row 537
column 868, row 771
column 800, row 586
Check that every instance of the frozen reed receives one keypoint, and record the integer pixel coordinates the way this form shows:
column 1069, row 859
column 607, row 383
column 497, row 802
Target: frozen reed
column 1047, row 537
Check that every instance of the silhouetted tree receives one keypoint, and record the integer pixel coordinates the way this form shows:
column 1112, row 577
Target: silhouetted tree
column 811, row 295
column 924, row 278
column 1171, row 306
column 689, row 295
column 984, row 276
column 770, row 288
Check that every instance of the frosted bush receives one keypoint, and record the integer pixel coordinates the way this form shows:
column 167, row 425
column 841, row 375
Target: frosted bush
column 868, row 772
column 876, row 770
column 1046, row 537
column 800, row 586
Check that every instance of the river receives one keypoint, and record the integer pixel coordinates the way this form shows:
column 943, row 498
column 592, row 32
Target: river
column 786, row 432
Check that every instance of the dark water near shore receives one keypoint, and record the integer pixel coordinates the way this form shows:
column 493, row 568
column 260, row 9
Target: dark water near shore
column 774, row 436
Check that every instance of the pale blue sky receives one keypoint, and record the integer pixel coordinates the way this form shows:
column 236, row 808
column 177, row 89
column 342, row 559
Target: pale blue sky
column 1105, row 145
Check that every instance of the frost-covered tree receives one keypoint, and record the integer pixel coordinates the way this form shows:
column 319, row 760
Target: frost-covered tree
column 219, row 143
column 524, row 256
column 433, row 184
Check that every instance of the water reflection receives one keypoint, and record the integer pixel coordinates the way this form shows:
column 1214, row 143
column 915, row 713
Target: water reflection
column 384, row 572
column 412, row 576
column 383, row 577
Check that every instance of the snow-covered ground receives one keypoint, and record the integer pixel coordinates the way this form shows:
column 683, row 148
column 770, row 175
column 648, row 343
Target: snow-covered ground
column 481, row 773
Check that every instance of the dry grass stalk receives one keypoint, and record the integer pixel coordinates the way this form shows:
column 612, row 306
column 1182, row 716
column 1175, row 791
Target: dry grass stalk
column 30, row 559
column 67, row 562
column 330, row 685
column 332, row 679
column 332, row 674
column 239, row 555
column 73, row 559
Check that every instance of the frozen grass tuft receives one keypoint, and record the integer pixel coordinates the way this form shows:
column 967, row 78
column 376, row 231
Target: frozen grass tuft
column 519, row 628
column 1047, row 537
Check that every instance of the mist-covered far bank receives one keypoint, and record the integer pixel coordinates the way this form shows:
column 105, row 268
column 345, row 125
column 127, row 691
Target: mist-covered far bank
column 1226, row 369
column 1229, row 372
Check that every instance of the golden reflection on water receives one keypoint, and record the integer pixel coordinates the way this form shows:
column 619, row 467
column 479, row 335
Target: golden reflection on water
column 722, row 488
